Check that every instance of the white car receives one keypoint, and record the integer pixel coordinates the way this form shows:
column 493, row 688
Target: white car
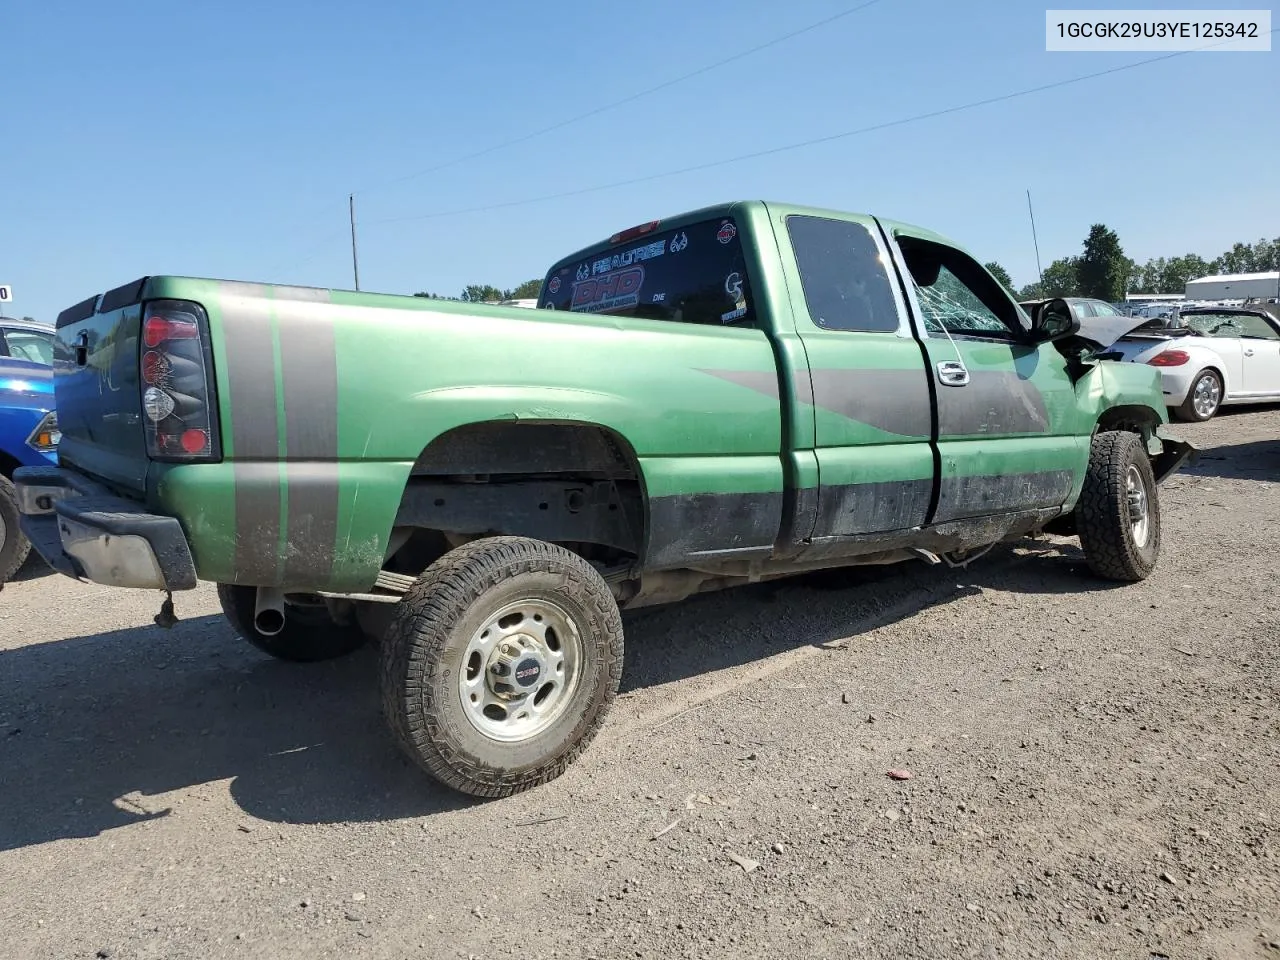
column 1214, row 355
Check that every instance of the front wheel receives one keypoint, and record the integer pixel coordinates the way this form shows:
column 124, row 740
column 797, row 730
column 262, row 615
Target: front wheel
column 501, row 664
column 1118, row 516
column 309, row 634
column 14, row 547
column 1203, row 399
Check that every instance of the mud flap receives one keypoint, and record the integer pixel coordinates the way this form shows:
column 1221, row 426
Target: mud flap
column 1174, row 454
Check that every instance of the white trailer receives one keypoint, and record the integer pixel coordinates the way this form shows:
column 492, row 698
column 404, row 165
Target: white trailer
column 1235, row 286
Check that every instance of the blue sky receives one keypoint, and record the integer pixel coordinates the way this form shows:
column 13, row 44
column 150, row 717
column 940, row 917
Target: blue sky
column 222, row 139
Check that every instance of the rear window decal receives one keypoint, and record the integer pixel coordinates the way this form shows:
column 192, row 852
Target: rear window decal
column 620, row 288
column 693, row 273
column 628, row 257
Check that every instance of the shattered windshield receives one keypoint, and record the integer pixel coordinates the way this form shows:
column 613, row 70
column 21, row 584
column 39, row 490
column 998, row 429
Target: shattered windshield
column 1250, row 326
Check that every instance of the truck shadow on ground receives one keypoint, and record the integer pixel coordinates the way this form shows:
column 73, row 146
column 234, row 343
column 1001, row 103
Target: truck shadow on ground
column 746, row 624
column 33, row 568
column 97, row 731
column 1258, row 460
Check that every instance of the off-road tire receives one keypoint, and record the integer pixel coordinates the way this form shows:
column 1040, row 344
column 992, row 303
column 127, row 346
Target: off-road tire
column 1187, row 409
column 14, row 547
column 309, row 635
column 1103, row 516
column 423, row 653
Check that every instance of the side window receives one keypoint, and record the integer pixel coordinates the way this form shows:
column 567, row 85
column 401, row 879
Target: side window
column 4, row 347
column 1084, row 308
column 957, row 295
column 29, row 346
column 1103, row 309
column 845, row 283
column 1255, row 328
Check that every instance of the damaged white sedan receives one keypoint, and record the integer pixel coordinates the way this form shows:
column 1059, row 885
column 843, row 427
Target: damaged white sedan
column 1214, row 356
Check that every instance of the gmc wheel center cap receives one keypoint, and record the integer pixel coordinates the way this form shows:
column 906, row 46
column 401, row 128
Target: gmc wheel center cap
column 527, row 672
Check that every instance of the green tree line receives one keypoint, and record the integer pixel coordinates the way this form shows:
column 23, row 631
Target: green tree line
column 487, row 293
column 1102, row 270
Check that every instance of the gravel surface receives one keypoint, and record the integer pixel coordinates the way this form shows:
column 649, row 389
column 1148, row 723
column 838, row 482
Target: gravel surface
column 1079, row 770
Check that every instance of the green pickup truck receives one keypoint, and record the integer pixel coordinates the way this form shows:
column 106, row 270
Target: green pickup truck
column 741, row 393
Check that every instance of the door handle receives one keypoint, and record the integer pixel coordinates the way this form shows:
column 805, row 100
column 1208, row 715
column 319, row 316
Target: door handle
column 952, row 373
column 1248, row 351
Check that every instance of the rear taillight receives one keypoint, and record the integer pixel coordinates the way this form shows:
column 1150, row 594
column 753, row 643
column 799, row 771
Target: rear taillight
column 157, row 330
column 1170, row 358
column 177, row 395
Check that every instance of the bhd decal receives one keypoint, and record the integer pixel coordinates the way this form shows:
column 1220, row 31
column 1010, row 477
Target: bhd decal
column 609, row 292
column 554, row 285
column 726, row 232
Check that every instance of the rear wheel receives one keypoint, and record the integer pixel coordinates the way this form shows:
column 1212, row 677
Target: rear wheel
column 1203, row 399
column 1118, row 516
column 14, row 547
column 309, row 634
column 501, row 664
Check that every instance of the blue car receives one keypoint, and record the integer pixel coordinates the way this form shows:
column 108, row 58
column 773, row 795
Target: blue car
column 28, row 425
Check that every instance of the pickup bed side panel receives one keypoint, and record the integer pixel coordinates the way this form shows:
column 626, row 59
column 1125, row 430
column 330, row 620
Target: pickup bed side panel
column 326, row 399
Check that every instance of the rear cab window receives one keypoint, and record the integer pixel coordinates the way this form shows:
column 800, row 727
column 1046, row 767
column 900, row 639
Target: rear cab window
column 845, row 284
column 695, row 273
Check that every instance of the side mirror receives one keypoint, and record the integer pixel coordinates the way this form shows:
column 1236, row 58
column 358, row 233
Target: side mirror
column 1052, row 320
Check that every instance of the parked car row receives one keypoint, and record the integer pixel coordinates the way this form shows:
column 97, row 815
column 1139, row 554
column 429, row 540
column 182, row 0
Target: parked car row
column 28, row 424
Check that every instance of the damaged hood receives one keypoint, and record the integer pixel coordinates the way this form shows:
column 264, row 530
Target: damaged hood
column 1102, row 332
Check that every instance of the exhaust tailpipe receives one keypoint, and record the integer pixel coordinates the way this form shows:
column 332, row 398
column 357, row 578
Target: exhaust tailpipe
column 268, row 612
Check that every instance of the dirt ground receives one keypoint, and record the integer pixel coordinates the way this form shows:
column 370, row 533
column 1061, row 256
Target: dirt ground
column 1096, row 771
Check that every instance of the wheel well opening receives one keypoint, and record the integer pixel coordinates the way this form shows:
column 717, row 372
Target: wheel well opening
column 1210, row 368
column 1134, row 418
column 577, row 485
column 8, row 464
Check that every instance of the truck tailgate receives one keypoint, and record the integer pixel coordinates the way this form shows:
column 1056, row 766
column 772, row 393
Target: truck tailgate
column 96, row 381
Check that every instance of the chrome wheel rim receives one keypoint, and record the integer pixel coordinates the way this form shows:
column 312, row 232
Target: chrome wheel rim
column 1139, row 506
column 1206, row 396
column 520, row 670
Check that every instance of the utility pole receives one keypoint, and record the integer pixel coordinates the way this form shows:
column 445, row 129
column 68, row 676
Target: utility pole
column 1039, row 269
column 355, row 261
